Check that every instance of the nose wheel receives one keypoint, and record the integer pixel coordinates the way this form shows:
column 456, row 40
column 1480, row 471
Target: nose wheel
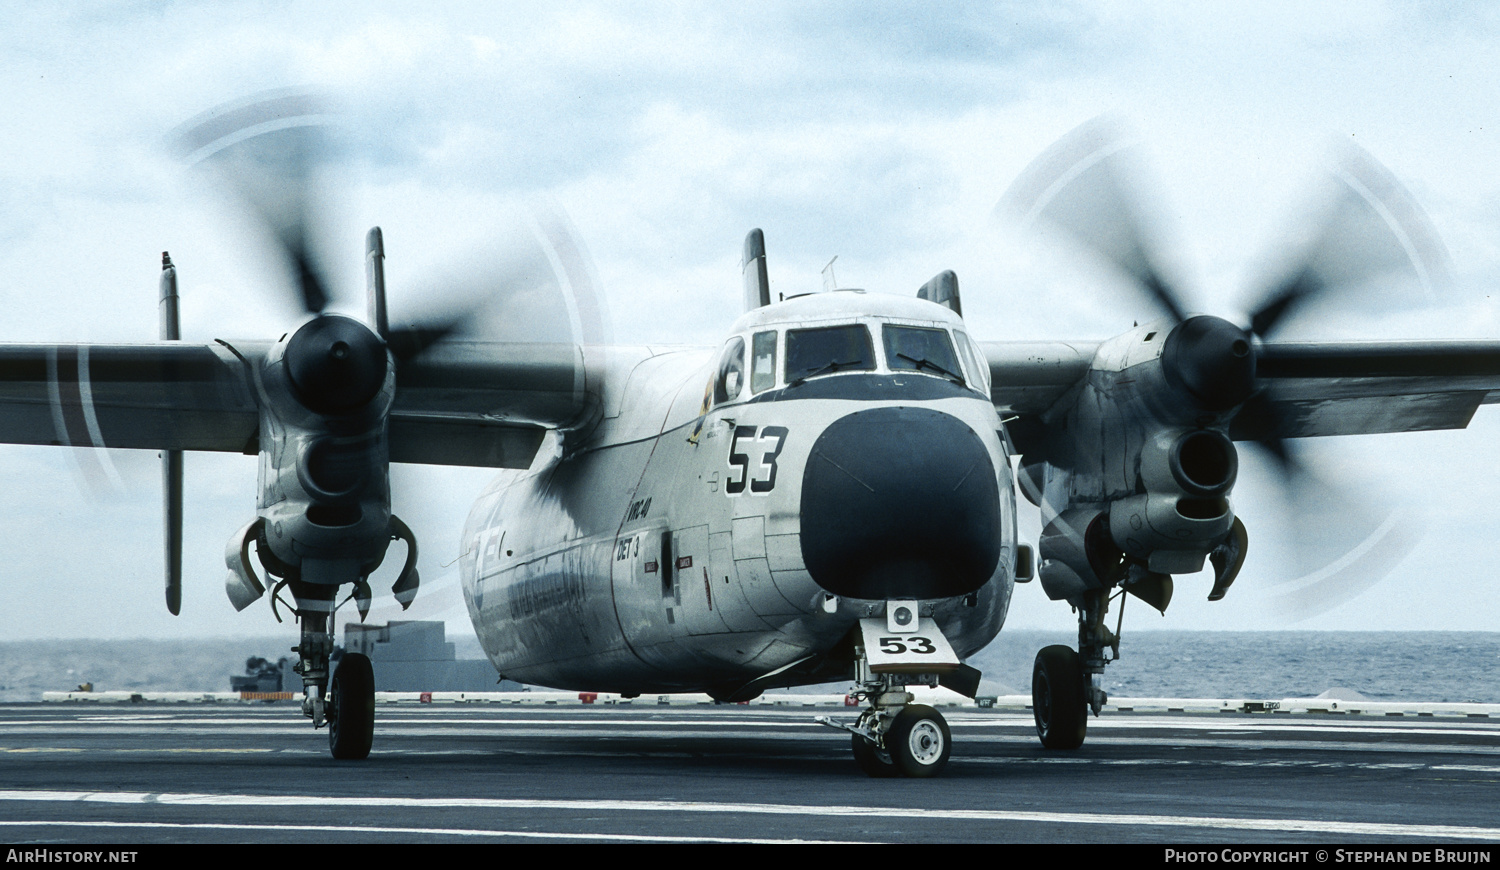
column 919, row 741
column 351, row 708
column 906, row 740
column 893, row 736
column 873, row 760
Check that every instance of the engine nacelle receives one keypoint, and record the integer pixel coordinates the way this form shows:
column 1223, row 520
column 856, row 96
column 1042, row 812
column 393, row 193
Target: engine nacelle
column 325, row 499
column 1138, row 463
column 1183, row 513
column 1076, row 553
column 1154, row 528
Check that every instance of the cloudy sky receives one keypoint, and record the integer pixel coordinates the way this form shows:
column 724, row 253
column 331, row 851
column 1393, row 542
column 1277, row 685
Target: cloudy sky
column 880, row 133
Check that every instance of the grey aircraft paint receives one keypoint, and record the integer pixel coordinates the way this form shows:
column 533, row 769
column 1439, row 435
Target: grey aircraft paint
column 667, row 549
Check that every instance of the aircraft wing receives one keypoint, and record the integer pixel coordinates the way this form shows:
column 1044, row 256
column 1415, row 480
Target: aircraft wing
column 167, row 396
column 487, row 404
column 1028, row 377
column 1368, row 387
column 1304, row 388
column 458, row 403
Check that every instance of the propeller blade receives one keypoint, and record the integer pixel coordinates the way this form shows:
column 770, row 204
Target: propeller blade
column 1081, row 186
column 530, row 280
column 267, row 150
column 1370, row 228
column 1345, row 539
column 408, row 342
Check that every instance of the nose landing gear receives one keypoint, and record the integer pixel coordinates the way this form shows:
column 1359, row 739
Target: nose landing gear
column 919, row 741
column 894, row 737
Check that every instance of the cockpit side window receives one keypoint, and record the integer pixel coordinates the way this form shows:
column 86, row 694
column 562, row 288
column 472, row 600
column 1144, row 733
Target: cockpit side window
column 979, row 367
column 826, row 350
column 731, row 378
column 915, row 348
column 762, row 361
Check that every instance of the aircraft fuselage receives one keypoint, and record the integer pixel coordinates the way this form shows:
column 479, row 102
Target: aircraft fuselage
column 715, row 528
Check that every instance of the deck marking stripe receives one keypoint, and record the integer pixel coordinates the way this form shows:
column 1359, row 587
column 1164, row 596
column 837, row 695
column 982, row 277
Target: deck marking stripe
column 1315, row 826
column 449, row 832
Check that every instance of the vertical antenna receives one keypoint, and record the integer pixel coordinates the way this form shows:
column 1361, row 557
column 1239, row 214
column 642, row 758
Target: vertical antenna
column 830, row 283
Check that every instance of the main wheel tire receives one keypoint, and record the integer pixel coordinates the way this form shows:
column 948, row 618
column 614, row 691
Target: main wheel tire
column 919, row 741
column 875, row 762
column 351, row 708
column 1057, row 699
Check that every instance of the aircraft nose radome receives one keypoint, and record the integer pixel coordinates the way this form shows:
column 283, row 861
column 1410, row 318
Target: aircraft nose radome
column 900, row 503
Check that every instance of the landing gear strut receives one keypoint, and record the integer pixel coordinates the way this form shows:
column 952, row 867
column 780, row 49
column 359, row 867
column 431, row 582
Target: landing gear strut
column 314, row 615
column 346, row 704
column 1066, row 685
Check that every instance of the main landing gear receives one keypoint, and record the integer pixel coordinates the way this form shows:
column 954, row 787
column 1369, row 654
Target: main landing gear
column 342, row 700
column 351, row 708
column 346, row 703
column 1066, row 685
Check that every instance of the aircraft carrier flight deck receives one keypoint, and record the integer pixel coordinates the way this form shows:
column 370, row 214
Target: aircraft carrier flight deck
column 151, row 772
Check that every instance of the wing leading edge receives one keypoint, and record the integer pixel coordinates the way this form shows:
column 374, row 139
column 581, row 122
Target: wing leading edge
column 167, row 396
column 1306, row 388
column 462, row 403
column 1369, row 387
column 488, row 405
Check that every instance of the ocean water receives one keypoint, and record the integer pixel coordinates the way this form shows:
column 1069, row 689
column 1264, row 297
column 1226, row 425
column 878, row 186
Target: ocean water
column 29, row 668
column 1446, row 666
column 1415, row 666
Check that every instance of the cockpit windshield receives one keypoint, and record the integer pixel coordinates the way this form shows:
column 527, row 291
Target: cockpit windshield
column 829, row 349
column 914, row 348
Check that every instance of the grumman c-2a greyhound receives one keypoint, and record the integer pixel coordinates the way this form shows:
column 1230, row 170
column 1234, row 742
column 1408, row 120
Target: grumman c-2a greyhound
column 828, row 495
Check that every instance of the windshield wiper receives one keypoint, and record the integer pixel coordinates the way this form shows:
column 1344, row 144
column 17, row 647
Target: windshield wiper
column 925, row 363
column 827, row 369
